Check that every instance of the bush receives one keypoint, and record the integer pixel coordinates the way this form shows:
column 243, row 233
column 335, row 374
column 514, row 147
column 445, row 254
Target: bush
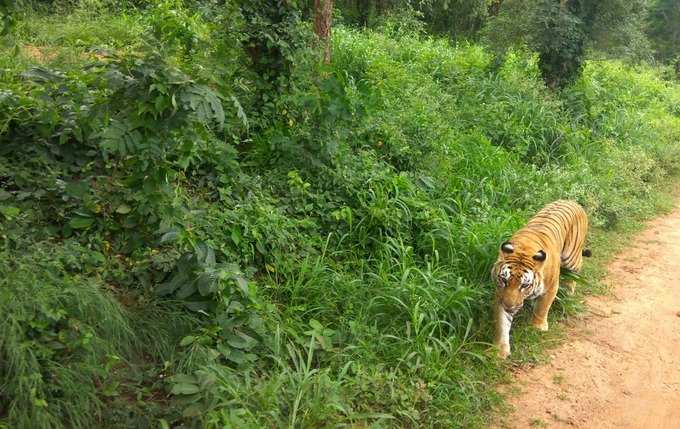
column 61, row 334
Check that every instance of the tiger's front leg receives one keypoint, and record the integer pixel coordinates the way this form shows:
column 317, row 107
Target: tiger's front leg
column 542, row 307
column 503, row 325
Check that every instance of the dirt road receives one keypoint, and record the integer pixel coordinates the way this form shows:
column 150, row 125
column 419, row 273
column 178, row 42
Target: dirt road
column 620, row 366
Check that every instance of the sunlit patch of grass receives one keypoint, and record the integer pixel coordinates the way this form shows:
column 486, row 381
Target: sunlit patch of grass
column 70, row 40
column 82, row 29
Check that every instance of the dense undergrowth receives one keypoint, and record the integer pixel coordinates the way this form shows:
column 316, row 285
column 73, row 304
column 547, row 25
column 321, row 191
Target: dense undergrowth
column 185, row 243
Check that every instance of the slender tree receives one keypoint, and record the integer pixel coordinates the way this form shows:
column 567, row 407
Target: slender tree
column 323, row 15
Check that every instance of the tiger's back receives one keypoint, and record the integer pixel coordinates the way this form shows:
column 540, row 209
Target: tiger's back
column 566, row 224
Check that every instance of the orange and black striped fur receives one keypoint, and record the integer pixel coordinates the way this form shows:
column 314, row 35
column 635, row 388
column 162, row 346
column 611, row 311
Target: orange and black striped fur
column 528, row 265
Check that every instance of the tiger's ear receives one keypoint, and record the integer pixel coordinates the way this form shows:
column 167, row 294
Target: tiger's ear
column 539, row 256
column 507, row 247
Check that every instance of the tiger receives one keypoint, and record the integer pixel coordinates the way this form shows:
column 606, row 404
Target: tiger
column 528, row 265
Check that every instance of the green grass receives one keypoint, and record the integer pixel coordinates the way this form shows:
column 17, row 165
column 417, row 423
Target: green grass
column 68, row 40
column 59, row 334
column 317, row 257
column 538, row 423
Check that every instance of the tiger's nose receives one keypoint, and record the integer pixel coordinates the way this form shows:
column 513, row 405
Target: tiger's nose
column 512, row 309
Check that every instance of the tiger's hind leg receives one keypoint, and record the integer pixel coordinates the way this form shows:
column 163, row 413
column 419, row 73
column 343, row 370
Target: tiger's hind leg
column 575, row 267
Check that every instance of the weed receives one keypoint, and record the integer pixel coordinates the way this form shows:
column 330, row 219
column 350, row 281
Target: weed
column 538, row 423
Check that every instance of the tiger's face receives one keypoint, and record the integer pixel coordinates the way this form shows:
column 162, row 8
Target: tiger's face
column 519, row 275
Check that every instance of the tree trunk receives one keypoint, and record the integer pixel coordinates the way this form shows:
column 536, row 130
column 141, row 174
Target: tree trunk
column 495, row 7
column 323, row 14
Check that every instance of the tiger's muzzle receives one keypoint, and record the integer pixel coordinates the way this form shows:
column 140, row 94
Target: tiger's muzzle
column 512, row 310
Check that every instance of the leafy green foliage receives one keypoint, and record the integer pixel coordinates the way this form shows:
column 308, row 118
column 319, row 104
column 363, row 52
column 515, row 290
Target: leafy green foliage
column 455, row 18
column 561, row 31
column 195, row 236
column 272, row 35
column 58, row 330
column 6, row 19
column 664, row 29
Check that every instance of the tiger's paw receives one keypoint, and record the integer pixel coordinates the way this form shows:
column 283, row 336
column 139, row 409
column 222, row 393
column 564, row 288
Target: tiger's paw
column 503, row 350
column 541, row 325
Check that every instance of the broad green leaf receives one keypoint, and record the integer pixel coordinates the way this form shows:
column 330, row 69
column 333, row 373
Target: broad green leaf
column 186, row 290
column 123, row 209
column 41, row 403
column 207, row 283
column 316, row 325
column 81, row 222
column 241, row 341
column 236, row 235
column 189, row 339
column 237, row 356
column 193, row 410
column 242, row 284
column 77, row 189
column 222, row 348
column 10, row 212
column 184, row 389
column 169, row 237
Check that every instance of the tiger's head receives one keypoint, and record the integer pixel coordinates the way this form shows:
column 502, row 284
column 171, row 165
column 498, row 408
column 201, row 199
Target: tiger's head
column 518, row 273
